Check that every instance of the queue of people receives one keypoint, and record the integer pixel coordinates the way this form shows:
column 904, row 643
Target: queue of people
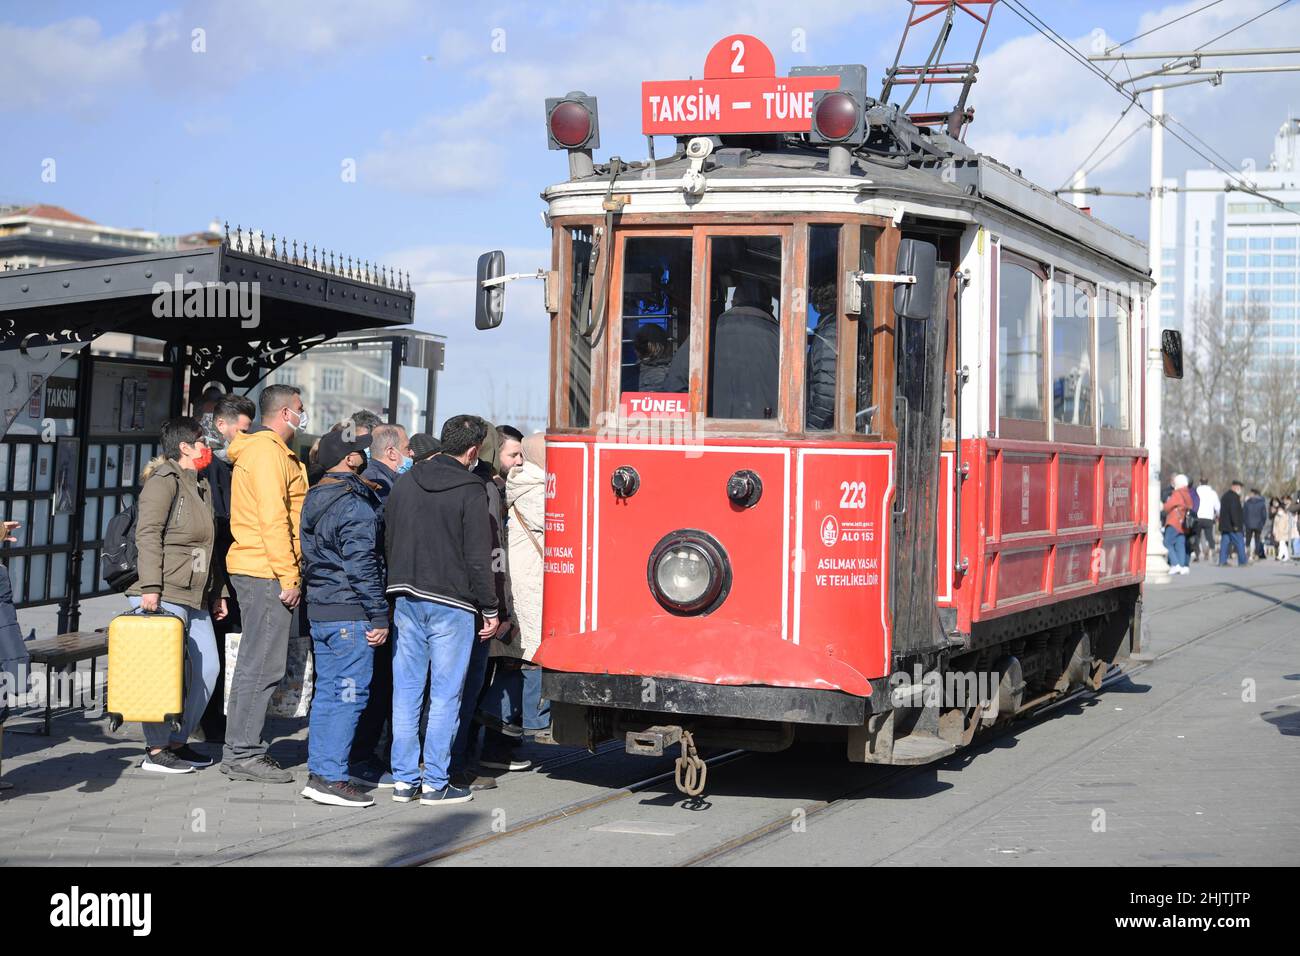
column 395, row 552
column 1250, row 527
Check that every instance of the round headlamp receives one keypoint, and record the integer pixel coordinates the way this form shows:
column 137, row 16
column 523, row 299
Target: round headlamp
column 689, row 572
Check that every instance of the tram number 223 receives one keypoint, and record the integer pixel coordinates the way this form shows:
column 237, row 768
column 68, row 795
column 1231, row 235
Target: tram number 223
column 853, row 494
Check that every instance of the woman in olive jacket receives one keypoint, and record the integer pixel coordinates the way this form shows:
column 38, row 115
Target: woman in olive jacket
column 174, row 535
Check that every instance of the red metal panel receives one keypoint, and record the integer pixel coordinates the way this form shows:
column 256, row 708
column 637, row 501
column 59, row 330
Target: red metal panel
column 1073, row 565
column 1075, row 491
column 565, row 580
column 686, row 487
column 944, row 556
column 842, row 532
column 1020, row 573
column 1117, row 505
column 1025, row 484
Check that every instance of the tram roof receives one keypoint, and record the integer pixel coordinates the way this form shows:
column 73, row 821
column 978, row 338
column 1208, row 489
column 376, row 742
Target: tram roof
column 967, row 180
column 294, row 298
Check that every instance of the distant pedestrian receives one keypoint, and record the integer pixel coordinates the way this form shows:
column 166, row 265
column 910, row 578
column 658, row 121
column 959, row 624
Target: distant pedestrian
column 344, row 577
column 1207, row 513
column 1232, row 524
column 1175, row 510
column 1255, row 514
column 1282, row 531
column 439, row 549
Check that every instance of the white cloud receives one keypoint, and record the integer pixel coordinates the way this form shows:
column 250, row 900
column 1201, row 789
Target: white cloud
column 431, row 167
column 68, row 64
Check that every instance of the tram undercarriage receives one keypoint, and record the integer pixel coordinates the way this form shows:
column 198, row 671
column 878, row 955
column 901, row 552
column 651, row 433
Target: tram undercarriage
column 926, row 710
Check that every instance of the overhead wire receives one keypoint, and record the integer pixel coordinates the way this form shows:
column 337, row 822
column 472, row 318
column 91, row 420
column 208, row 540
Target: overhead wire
column 1020, row 9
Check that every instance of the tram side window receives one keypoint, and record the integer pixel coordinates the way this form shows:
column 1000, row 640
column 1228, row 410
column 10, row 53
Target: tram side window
column 579, row 321
column 656, row 315
column 1071, row 352
column 1112, row 361
column 863, row 409
column 823, row 308
column 744, row 327
column 1020, row 347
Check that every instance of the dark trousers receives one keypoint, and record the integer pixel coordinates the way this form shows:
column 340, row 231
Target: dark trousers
column 1255, row 541
column 1204, row 532
column 263, row 653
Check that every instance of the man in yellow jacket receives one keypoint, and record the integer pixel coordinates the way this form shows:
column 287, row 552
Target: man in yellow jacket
column 267, row 489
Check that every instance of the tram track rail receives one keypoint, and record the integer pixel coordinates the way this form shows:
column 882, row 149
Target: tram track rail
column 550, row 817
column 892, row 777
column 1028, row 720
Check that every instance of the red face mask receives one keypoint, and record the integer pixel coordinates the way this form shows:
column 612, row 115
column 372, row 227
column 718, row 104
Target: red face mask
column 203, row 458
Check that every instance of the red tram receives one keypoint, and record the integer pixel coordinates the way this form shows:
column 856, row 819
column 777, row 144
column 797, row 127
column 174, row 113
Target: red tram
column 846, row 426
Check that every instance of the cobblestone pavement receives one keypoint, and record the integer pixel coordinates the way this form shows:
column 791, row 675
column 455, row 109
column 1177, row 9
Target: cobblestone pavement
column 1178, row 764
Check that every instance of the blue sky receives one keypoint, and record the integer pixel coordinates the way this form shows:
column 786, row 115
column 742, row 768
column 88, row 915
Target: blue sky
column 440, row 106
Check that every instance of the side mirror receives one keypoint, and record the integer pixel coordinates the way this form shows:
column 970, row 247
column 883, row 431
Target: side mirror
column 490, row 292
column 915, row 258
column 1171, row 351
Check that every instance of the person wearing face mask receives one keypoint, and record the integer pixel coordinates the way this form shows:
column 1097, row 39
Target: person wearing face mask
column 232, row 415
column 390, row 456
column 174, row 537
column 268, row 486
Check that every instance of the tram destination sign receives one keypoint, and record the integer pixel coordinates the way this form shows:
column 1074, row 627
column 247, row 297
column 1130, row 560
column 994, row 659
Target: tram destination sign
column 740, row 93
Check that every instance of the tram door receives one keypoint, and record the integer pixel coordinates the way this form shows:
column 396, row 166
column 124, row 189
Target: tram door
column 919, row 408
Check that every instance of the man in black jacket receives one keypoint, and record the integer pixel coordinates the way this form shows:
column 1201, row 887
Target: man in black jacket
column 1255, row 511
column 439, row 547
column 1232, row 524
column 231, row 415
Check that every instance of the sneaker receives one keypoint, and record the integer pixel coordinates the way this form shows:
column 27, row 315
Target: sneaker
column 405, row 792
column 371, row 775
column 505, row 763
column 165, row 761
column 187, row 754
column 336, row 793
column 448, row 794
column 493, row 722
column 472, row 781
column 259, row 769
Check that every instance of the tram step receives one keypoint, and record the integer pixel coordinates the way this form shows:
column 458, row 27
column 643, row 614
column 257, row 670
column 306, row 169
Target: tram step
column 921, row 748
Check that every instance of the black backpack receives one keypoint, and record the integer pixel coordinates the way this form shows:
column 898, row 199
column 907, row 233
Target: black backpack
column 119, row 559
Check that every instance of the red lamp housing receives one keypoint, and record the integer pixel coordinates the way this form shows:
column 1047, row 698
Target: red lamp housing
column 572, row 122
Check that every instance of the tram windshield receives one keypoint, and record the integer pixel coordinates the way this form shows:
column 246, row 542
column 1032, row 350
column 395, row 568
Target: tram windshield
column 744, row 327
column 656, row 314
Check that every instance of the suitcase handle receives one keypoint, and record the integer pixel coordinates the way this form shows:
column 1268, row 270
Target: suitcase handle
column 161, row 612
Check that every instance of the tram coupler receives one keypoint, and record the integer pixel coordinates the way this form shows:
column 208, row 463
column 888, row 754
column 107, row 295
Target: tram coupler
column 652, row 742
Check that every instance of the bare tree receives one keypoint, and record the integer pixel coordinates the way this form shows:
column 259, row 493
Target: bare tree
column 1209, row 430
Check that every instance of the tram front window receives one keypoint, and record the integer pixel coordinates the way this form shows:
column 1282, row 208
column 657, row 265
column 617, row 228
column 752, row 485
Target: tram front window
column 744, row 327
column 656, row 315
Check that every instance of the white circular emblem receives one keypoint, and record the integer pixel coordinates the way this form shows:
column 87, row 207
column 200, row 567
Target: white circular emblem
column 830, row 531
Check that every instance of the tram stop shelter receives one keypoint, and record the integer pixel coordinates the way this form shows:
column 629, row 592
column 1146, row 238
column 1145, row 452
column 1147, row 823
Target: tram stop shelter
column 78, row 427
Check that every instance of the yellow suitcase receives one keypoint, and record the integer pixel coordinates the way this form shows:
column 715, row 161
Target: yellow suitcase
column 146, row 668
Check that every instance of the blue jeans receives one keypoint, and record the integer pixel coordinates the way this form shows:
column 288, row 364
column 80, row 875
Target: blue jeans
column 433, row 644
column 201, row 665
column 345, row 663
column 1176, row 545
column 1236, row 540
column 462, row 750
column 514, row 696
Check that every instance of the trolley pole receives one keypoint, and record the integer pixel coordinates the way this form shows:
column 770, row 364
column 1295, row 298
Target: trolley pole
column 1157, row 561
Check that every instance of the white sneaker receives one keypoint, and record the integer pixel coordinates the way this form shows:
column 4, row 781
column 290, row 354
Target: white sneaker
column 508, row 764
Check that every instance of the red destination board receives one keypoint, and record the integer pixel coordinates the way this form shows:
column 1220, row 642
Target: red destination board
column 740, row 93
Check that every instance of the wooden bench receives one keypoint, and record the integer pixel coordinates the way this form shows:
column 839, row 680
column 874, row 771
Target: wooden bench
column 62, row 651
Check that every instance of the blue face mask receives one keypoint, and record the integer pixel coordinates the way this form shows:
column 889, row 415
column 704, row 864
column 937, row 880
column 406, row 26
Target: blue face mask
column 406, row 464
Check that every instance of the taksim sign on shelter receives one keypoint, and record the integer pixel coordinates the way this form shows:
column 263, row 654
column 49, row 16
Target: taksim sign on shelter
column 740, row 93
